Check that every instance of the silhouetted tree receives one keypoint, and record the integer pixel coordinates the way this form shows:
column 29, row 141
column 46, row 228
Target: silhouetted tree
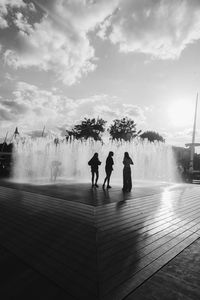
column 88, row 128
column 124, row 129
column 152, row 136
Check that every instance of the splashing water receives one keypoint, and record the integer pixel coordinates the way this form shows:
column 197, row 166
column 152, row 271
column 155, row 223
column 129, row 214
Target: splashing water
column 32, row 160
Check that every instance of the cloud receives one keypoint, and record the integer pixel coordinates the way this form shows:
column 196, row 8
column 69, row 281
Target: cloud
column 5, row 5
column 10, row 110
column 32, row 108
column 108, row 108
column 48, row 49
column 3, row 22
column 5, row 115
column 180, row 138
column 43, row 107
column 9, row 77
column 59, row 42
column 14, row 107
column 159, row 28
column 133, row 111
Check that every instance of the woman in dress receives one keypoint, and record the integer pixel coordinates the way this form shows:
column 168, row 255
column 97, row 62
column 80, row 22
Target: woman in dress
column 127, row 181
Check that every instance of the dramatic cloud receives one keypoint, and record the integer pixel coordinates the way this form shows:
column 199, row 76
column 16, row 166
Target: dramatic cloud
column 161, row 28
column 47, row 48
column 5, row 5
column 59, row 41
column 32, row 108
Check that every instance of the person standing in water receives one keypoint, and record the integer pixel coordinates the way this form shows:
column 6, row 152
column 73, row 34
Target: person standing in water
column 108, row 169
column 127, row 181
column 94, row 164
column 55, row 169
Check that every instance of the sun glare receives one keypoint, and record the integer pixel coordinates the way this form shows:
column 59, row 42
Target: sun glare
column 181, row 113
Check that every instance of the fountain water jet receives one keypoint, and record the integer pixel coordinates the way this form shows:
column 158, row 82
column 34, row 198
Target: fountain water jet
column 33, row 158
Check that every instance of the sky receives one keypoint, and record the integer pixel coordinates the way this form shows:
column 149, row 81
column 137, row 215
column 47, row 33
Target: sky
column 63, row 60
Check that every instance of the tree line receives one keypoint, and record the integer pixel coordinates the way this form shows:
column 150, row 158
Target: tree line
column 120, row 130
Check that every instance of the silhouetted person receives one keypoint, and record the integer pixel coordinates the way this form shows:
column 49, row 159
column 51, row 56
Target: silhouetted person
column 108, row 168
column 55, row 169
column 56, row 141
column 127, row 181
column 180, row 172
column 94, row 163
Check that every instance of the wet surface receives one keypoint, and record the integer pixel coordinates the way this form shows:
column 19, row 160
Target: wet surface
column 95, row 243
column 83, row 193
column 179, row 279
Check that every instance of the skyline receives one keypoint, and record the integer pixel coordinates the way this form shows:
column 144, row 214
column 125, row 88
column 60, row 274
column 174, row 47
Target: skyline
column 62, row 61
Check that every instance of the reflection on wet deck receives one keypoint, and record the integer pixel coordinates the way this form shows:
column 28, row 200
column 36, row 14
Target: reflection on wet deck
column 98, row 244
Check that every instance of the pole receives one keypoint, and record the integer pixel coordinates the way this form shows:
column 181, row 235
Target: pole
column 192, row 148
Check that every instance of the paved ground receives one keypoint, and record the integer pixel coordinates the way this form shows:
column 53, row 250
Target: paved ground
column 71, row 242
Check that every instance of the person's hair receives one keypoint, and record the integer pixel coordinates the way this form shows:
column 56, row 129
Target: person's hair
column 111, row 153
column 126, row 154
column 96, row 154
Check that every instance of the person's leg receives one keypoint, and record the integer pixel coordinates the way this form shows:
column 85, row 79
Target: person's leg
column 106, row 178
column 97, row 177
column 92, row 178
column 105, row 181
column 108, row 185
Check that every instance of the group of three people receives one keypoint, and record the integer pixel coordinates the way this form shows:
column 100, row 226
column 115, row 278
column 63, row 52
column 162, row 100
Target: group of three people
column 94, row 163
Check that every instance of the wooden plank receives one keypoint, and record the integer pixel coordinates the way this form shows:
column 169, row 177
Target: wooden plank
column 139, row 231
column 97, row 247
column 131, row 284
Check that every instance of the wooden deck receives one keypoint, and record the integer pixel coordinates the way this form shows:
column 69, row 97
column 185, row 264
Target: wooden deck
column 98, row 244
